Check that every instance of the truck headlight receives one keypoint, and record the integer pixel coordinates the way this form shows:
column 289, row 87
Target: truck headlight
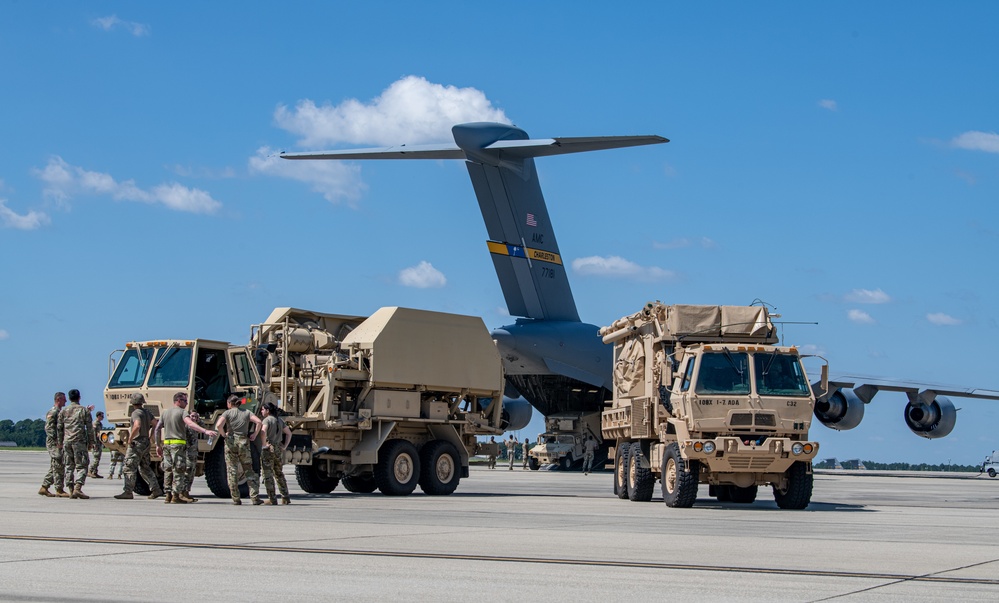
column 796, row 448
column 698, row 446
column 808, row 448
column 709, row 447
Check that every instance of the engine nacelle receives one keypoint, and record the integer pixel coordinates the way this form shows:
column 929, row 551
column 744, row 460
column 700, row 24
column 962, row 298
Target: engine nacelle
column 931, row 420
column 841, row 411
column 516, row 413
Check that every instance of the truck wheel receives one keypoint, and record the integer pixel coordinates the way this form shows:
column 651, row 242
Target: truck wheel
column 441, row 468
column 398, row 469
column 992, row 472
column 360, row 484
column 565, row 463
column 141, row 487
column 641, row 482
column 679, row 485
column 217, row 477
column 723, row 492
column 798, row 493
column 314, row 480
column 533, row 464
column 621, row 469
column 743, row 495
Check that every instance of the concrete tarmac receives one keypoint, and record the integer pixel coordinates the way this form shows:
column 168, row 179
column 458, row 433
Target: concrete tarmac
column 504, row 535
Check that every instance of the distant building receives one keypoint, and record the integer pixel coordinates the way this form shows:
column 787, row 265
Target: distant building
column 8, row 444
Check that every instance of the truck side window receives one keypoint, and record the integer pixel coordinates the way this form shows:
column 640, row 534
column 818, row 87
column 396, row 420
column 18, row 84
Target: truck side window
column 687, row 375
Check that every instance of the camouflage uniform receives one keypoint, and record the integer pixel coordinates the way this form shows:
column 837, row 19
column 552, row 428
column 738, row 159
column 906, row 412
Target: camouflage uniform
column 525, row 449
column 511, row 450
column 174, row 451
column 98, row 447
column 192, row 458
column 237, row 453
column 137, row 455
column 78, row 436
column 589, row 448
column 272, row 459
column 53, row 437
column 117, row 458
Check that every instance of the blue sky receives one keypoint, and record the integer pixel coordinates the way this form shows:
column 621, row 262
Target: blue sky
column 839, row 161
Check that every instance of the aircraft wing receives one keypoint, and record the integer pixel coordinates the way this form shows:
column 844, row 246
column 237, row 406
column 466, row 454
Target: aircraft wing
column 925, row 391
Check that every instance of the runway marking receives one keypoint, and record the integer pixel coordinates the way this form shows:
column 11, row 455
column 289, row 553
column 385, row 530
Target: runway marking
column 504, row 559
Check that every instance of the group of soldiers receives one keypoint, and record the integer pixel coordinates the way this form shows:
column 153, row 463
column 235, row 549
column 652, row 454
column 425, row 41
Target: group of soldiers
column 70, row 434
column 511, row 451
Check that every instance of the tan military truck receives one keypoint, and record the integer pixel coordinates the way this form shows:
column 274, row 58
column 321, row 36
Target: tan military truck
column 703, row 394
column 387, row 402
column 208, row 371
column 561, row 445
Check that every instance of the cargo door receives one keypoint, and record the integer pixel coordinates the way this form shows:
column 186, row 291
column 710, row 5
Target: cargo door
column 243, row 372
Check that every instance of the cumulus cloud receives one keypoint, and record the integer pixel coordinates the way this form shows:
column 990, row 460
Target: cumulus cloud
column 113, row 22
column 829, row 104
column 860, row 317
column 4, row 335
column 867, row 296
column 411, row 110
column 64, row 181
column 977, row 141
column 29, row 221
column 334, row 180
column 942, row 320
column 618, row 267
column 422, row 276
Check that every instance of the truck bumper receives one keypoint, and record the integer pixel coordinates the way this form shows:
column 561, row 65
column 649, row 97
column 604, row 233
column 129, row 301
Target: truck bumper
column 735, row 455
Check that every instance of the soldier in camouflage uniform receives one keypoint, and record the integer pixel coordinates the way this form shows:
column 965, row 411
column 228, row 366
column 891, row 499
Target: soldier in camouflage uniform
column 234, row 425
column 78, row 438
column 137, row 454
column 53, row 443
column 192, row 453
column 277, row 437
column 174, row 425
column 98, row 446
column 118, row 459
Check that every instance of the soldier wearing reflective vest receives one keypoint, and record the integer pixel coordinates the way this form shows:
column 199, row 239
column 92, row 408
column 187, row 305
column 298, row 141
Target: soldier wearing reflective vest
column 173, row 427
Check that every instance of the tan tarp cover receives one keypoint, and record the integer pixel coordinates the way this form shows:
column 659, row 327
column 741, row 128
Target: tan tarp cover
column 630, row 368
column 745, row 320
column 688, row 320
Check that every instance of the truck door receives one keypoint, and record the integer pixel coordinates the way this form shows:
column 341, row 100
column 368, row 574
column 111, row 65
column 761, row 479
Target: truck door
column 243, row 373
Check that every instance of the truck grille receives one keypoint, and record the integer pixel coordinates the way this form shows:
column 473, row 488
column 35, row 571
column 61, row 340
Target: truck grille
column 740, row 418
column 766, row 420
column 749, row 463
column 745, row 419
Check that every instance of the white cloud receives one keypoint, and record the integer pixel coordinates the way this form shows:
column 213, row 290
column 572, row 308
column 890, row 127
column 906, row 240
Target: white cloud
column 29, row 221
column 829, row 104
column 977, row 141
column 411, row 110
column 860, row 317
column 64, row 181
column 422, row 276
column 811, row 349
column 942, row 320
column 867, row 296
column 4, row 335
column 335, row 180
column 112, row 22
column 618, row 267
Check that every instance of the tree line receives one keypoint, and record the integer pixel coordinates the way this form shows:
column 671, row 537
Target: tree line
column 27, row 432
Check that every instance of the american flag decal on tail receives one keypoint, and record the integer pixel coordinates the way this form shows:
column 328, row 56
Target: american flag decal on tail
column 531, row 221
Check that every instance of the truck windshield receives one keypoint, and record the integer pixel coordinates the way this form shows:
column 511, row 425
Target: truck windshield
column 132, row 367
column 780, row 375
column 172, row 369
column 723, row 373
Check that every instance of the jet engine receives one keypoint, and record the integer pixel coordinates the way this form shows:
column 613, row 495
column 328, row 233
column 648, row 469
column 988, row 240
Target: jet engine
column 516, row 413
column 841, row 411
column 930, row 420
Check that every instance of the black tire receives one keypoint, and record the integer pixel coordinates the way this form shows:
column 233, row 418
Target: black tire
column 679, row 485
column 992, row 472
column 313, row 480
column 743, row 495
column 565, row 463
column 398, row 469
column 217, row 477
column 141, row 487
column 360, row 484
column 799, row 488
column 723, row 492
column 533, row 464
column 621, row 469
column 641, row 481
column 440, row 468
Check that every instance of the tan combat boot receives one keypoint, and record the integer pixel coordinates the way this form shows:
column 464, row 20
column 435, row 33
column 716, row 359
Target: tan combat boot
column 44, row 491
column 124, row 496
column 178, row 500
column 270, row 501
column 168, row 499
column 285, row 500
column 236, row 501
column 61, row 493
column 155, row 495
column 185, row 497
column 257, row 501
column 78, row 493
